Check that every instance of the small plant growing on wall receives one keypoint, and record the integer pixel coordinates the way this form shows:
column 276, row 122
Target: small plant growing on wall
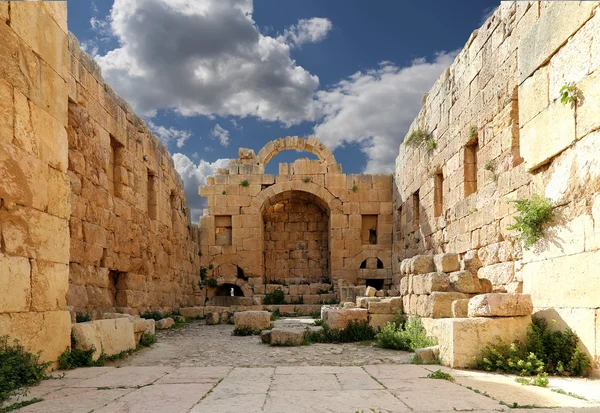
column 472, row 131
column 354, row 188
column 489, row 166
column 211, row 282
column 419, row 137
column 224, row 192
column 569, row 94
column 307, row 179
column 533, row 214
column 245, row 183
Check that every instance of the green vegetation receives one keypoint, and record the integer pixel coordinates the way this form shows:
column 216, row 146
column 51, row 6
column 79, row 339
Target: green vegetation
column 544, row 351
column 541, row 380
column 152, row 315
column 533, row 214
column 18, row 405
column 569, row 94
column 18, row 368
column 440, row 375
column 299, row 300
column 82, row 317
column 370, row 410
column 274, row 297
column 408, row 336
column 147, row 340
column 74, row 357
column 245, row 183
column 211, row 282
column 354, row 188
column 224, row 193
column 353, row 333
column 472, row 131
column 275, row 315
column 419, row 137
column 561, row 391
column 307, row 180
column 245, row 331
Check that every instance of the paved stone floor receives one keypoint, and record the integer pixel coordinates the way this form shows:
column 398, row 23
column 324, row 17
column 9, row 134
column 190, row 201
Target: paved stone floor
column 178, row 376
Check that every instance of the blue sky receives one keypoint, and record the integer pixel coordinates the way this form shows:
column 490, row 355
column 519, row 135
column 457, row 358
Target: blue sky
column 211, row 76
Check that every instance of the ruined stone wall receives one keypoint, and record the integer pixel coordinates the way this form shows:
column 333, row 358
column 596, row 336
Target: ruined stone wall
column 34, row 188
column 238, row 228
column 502, row 134
column 132, row 244
column 296, row 237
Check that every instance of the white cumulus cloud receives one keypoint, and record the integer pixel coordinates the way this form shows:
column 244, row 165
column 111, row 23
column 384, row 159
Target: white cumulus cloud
column 375, row 108
column 306, row 31
column 194, row 175
column 221, row 134
column 206, row 57
column 167, row 135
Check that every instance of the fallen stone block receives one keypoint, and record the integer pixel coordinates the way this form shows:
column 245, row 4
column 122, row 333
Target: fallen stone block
column 165, row 323
column 463, row 339
column 377, row 321
column 150, row 327
column 460, row 308
column 370, row 292
column 428, row 354
column 439, row 304
column 253, row 320
column 192, row 312
column 422, row 264
column 265, row 336
column 431, row 282
column 363, row 302
column 339, row 318
column 212, row 318
column 287, row 336
column 380, row 307
column 109, row 336
column 446, row 262
column 500, row 305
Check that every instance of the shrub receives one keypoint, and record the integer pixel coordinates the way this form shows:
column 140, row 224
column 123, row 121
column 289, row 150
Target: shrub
column 409, row 335
column 299, row 300
column 147, row 339
column 440, row 375
column 19, row 405
column 74, row 357
column 472, row 131
column 569, row 94
column 152, row 315
column 545, row 351
column 245, row 183
column 307, row 179
column 419, row 137
column 211, row 282
column 274, row 297
column 275, row 315
column 355, row 331
column 82, row 317
column 18, row 368
column 354, row 188
column 245, row 331
column 533, row 214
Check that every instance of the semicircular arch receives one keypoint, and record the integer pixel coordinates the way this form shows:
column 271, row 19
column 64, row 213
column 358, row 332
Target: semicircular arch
column 312, row 145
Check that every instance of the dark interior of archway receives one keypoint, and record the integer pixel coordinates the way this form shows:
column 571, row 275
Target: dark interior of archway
column 377, row 284
column 225, row 290
column 296, row 240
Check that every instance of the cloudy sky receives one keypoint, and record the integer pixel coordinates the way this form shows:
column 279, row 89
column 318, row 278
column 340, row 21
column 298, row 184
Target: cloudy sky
column 210, row 76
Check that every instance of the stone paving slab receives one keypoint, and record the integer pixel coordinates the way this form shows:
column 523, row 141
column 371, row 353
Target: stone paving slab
column 195, row 375
column 127, row 377
column 76, row 401
column 231, row 403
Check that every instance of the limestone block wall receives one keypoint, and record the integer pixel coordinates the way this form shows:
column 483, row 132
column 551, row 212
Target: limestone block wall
column 132, row 243
column 34, row 187
column 503, row 134
column 310, row 224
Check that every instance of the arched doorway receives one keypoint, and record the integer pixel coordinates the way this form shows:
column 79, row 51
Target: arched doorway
column 296, row 239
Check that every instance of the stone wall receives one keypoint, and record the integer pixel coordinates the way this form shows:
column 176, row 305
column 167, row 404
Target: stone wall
column 34, row 188
column 502, row 134
column 132, row 244
column 345, row 235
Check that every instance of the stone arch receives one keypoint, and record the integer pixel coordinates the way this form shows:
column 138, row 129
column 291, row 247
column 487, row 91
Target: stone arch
column 228, row 273
column 362, row 256
column 312, row 145
column 283, row 190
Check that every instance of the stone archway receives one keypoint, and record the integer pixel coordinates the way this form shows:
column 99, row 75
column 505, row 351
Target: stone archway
column 312, row 145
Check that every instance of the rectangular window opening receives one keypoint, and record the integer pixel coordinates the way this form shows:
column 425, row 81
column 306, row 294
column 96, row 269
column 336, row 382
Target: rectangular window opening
column 471, row 168
column 112, row 172
column 223, row 230
column 173, row 205
column 152, row 202
column 416, row 216
column 369, row 230
column 438, row 195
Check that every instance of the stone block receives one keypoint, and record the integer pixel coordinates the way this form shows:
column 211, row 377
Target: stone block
column 465, row 282
column 498, row 274
column 381, row 307
column 396, row 304
column 338, row 318
column 254, row 320
column 428, row 283
column 439, row 304
column 150, row 326
column 15, row 276
column 460, row 308
column 587, row 118
column 463, row 339
column 287, row 336
column 265, row 336
column 377, row 321
column 49, row 285
column 500, row 305
column 108, row 336
column 446, row 262
column 471, row 262
column 428, row 354
column 165, row 323
column 422, row 264
column 192, row 312
column 212, row 318
column 363, row 302
column 370, row 292
column 404, row 286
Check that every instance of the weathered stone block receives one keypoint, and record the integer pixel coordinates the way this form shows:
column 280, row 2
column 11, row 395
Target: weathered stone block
column 15, row 277
column 337, row 318
column 462, row 339
column 500, row 305
column 422, row 264
column 254, row 320
column 192, row 312
column 460, row 308
column 377, row 321
column 428, row 354
column 165, row 323
column 381, row 307
column 108, row 336
column 396, row 304
column 439, row 304
column 446, row 262
column 212, row 318
column 370, row 292
column 287, row 336
column 498, row 274
column 363, row 302
column 428, row 283
column 465, row 282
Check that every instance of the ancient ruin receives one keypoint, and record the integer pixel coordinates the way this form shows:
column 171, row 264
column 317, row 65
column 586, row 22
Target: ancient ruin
column 93, row 216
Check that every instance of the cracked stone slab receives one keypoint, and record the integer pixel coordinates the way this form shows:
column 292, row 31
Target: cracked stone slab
column 127, row 377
